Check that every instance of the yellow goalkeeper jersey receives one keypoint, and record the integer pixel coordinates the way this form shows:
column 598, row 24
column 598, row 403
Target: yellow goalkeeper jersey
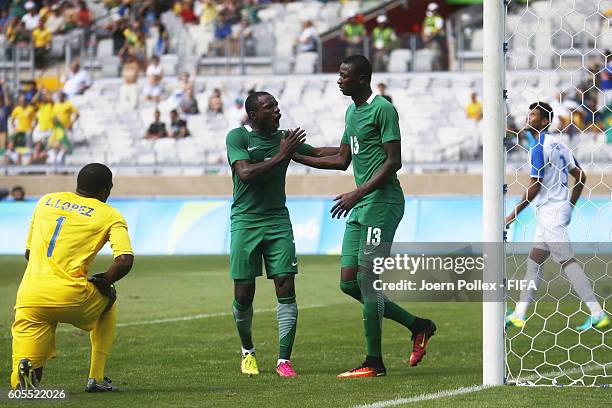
column 66, row 233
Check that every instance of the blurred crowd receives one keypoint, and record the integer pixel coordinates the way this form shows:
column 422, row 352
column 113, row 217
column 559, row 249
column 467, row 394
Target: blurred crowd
column 384, row 38
column 26, row 23
column 583, row 108
column 36, row 124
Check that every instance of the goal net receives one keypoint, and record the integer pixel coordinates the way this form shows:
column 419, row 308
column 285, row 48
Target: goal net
column 558, row 54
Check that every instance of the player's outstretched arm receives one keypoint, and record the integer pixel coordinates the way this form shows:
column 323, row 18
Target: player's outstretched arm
column 579, row 182
column 531, row 192
column 289, row 144
column 331, row 158
column 345, row 202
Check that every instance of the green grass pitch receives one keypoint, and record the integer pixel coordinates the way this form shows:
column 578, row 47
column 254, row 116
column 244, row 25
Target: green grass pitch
column 160, row 360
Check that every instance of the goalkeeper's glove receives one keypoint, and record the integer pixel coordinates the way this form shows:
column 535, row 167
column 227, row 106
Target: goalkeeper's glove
column 105, row 287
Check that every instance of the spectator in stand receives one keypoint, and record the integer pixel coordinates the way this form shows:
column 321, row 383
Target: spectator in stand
column 5, row 114
column 434, row 37
column 179, row 89
column 187, row 14
column 307, row 41
column 4, row 20
column 178, row 126
column 155, row 73
column 38, row 155
column 188, row 103
column 161, row 41
column 223, row 30
column 605, row 80
column 116, row 26
column 473, row 110
column 84, row 16
column 157, row 129
column 32, row 18
column 18, row 8
column 22, row 118
column 236, row 116
column 249, row 11
column 43, row 121
column 41, row 37
column 245, row 31
column 215, row 103
column 17, row 35
column 45, row 9
column 56, row 154
column 11, row 155
column 135, row 44
column 148, row 14
column 353, row 34
column 206, row 10
column 65, row 112
column 18, row 193
column 231, row 11
column 55, row 20
column 382, row 91
column 128, row 91
column 384, row 39
column 76, row 81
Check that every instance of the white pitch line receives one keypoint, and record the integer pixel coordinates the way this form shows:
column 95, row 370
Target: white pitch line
column 67, row 328
column 425, row 397
column 466, row 390
column 208, row 315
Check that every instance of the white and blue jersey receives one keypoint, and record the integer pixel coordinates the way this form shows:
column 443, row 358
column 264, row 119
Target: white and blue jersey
column 551, row 162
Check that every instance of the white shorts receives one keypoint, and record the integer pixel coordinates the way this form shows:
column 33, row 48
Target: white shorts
column 551, row 233
column 41, row 135
column 151, row 90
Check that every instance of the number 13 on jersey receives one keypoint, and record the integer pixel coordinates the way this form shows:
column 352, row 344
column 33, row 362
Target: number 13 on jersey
column 354, row 145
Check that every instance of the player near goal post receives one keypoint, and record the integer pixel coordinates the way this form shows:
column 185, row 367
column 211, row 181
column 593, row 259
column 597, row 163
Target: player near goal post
column 551, row 162
column 372, row 141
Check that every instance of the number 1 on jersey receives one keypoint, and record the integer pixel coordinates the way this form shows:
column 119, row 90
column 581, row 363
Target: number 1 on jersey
column 58, row 227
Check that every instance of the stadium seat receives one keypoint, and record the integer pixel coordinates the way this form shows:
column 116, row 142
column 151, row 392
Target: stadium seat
column 423, row 60
column 399, row 60
column 305, row 63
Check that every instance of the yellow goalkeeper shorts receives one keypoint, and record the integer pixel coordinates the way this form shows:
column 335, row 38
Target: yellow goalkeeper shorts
column 34, row 327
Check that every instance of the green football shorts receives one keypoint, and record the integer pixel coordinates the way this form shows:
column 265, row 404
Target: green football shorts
column 274, row 244
column 369, row 233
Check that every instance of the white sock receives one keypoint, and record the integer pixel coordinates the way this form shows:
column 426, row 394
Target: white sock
column 247, row 351
column 281, row 360
column 532, row 274
column 582, row 286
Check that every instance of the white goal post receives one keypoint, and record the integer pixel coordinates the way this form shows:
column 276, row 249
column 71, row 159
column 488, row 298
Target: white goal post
column 494, row 125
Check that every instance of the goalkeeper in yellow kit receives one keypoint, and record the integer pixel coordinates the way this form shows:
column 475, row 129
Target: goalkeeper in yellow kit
column 66, row 232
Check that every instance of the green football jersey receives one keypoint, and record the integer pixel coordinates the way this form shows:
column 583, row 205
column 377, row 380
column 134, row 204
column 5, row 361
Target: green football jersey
column 262, row 201
column 367, row 127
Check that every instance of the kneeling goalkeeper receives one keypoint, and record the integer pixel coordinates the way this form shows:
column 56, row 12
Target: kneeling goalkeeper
column 67, row 231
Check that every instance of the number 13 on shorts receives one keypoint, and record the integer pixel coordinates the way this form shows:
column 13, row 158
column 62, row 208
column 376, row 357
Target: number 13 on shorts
column 373, row 237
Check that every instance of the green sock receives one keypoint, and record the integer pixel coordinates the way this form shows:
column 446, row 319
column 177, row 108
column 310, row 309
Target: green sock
column 373, row 312
column 243, row 316
column 286, row 314
column 393, row 311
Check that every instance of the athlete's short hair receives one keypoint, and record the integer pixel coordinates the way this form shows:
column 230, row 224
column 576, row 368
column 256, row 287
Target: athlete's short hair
column 546, row 111
column 250, row 104
column 360, row 64
column 94, row 177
